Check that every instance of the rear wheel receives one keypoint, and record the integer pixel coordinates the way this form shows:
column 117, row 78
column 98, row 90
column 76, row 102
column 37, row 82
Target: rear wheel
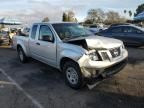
column 73, row 76
column 22, row 55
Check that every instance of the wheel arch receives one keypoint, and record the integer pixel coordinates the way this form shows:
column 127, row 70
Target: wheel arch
column 19, row 45
column 64, row 60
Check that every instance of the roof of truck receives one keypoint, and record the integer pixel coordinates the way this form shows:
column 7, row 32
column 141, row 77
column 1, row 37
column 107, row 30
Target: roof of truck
column 53, row 22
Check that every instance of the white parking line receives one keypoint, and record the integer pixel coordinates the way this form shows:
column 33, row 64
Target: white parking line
column 6, row 83
column 34, row 101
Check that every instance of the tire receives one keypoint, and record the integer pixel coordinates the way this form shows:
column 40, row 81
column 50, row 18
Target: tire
column 72, row 74
column 21, row 55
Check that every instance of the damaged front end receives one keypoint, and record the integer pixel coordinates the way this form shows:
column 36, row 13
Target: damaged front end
column 99, row 62
column 100, row 59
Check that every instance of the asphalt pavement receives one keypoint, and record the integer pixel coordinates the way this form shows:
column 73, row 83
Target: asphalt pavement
column 36, row 85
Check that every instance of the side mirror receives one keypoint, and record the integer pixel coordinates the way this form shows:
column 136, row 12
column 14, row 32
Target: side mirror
column 47, row 38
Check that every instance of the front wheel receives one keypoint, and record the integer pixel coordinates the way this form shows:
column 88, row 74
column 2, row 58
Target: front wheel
column 73, row 76
column 22, row 55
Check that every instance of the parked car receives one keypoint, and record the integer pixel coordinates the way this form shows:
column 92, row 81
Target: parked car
column 69, row 47
column 95, row 28
column 117, row 24
column 4, row 38
column 129, row 34
column 94, row 31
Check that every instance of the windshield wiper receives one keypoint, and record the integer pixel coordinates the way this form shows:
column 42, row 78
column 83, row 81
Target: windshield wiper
column 69, row 38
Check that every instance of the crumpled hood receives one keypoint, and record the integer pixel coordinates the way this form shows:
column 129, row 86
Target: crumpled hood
column 100, row 42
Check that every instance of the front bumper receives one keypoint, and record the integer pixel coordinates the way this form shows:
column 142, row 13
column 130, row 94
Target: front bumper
column 92, row 69
column 108, row 72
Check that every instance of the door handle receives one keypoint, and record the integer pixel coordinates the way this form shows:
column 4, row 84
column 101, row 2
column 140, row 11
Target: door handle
column 37, row 43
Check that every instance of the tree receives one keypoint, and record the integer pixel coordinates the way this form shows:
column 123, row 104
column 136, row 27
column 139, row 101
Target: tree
column 92, row 15
column 96, row 15
column 71, row 16
column 139, row 9
column 87, row 21
column 65, row 17
column 125, row 11
column 114, row 17
column 76, row 20
column 46, row 19
column 130, row 13
column 2, row 26
column 101, row 15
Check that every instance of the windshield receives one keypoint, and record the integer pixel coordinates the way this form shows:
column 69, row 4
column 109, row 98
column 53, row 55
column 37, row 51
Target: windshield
column 68, row 31
column 140, row 28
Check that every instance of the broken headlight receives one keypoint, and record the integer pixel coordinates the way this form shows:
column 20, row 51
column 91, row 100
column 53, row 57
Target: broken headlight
column 93, row 56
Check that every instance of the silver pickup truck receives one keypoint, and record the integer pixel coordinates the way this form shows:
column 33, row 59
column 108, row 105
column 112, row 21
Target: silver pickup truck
column 81, row 56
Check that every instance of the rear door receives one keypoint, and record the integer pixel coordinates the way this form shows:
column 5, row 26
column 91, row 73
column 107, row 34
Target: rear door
column 133, row 35
column 32, row 41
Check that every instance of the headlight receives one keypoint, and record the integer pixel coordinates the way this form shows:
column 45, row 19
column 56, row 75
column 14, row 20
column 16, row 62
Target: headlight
column 93, row 56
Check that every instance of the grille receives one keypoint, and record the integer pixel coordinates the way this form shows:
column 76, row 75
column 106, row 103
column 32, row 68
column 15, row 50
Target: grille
column 115, row 52
column 104, row 55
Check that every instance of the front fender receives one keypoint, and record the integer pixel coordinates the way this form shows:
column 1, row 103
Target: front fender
column 71, row 54
column 66, row 50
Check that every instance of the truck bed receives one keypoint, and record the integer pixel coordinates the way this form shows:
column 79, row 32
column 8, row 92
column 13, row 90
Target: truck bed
column 20, row 39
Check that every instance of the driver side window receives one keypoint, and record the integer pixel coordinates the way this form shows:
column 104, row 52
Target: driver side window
column 45, row 34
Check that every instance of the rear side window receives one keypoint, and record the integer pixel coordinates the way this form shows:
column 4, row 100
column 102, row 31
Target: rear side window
column 128, row 30
column 33, row 32
column 131, row 30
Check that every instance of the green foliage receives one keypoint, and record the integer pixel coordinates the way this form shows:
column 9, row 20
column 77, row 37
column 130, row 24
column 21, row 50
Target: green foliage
column 139, row 9
column 98, row 16
column 69, row 16
column 46, row 19
column 95, row 16
column 87, row 21
column 75, row 20
column 130, row 13
column 114, row 17
column 65, row 17
column 2, row 26
column 125, row 11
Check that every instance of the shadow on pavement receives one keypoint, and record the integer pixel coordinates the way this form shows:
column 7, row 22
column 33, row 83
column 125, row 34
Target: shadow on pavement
column 136, row 55
column 60, row 94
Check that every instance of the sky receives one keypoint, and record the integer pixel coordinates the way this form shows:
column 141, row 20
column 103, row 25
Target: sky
column 29, row 11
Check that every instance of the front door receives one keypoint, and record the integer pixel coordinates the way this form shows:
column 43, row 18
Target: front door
column 117, row 32
column 46, row 45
